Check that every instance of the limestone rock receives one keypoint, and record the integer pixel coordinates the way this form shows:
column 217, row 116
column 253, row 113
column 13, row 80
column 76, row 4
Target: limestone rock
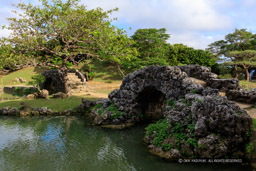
column 210, row 125
column 245, row 96
column 25, row 109
column 43, row 94
column 60, row 95
column 224, row 84
column 31, row 96
column 199, row 72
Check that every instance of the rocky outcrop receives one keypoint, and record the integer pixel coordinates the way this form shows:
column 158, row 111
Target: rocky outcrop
column 43, row 94
column 54, row 81
column 143, row 94
column 60, row 95
column 197, row 121
column 244, row 96
column 224, row 85
column 213, row 122
column 85, row 107
column 211, row 79
column 199, row 72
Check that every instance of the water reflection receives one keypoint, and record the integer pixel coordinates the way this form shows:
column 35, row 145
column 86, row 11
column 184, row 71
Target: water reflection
column 68, row 143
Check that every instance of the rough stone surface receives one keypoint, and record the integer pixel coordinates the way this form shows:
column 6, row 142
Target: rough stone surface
column 54, row 80
column 224, row 85
column 199, row 72
column 60, row 95
column 25, row 110
column 85, row 106
column 204, row 73
column 31, row 96
column 245, row 96
column 214, row 126
column 43, row 94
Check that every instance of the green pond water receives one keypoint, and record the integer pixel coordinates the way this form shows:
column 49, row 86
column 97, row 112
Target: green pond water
column 70, row 144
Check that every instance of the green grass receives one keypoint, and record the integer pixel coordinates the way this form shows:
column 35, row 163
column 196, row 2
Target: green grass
column 254, row 124
column 104, row 71
column 247, row 85
column 54, row 104
column 25, row 73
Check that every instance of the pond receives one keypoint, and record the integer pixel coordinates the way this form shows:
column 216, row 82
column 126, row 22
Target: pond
column 71, row 143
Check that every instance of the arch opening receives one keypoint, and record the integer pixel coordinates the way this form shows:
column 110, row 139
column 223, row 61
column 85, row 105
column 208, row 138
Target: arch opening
column 49, row 85
column 151, row 103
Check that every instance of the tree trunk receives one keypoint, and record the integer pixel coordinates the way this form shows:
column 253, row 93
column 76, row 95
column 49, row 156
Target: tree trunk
column 64, row 70
column 119, row 70
column 236, row 72
column 246, row 69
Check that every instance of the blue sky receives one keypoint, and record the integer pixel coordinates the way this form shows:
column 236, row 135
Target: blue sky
column 195, row 23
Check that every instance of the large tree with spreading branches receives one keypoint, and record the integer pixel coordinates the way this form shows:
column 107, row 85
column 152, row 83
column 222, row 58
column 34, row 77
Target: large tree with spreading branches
column 239, row 46
column 68, row 32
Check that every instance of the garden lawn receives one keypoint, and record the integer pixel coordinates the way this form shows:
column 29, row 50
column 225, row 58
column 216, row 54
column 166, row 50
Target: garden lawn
column 54, row 104
column 25, row 73
column 247, row 85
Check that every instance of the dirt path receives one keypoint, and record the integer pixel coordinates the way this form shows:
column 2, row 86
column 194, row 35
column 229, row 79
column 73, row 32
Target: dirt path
column 248, row 108
column 100, row 89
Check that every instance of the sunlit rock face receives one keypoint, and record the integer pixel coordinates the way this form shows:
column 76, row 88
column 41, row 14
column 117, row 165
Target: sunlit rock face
column 211, row 125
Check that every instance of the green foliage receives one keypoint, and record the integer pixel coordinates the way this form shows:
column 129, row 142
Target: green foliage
column 192, row 141
column 67, row 31
column 101, row 111
column 181, row 54
column 239, row 46
column 193, row 91
column 161, row 129
column 37, row 80
column 167, row 147
column 198, row 101
column 97, row 106
column 151, row 42
column 116, row 113
column 171, row 103
column 249, row 147
column 140, row 115
column 10, row 60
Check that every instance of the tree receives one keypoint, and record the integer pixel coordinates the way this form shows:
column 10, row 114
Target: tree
column 238, row 46
column 246, row 59
column 9, row 61
column 151, row 43
column 181, row 54
column 63, row 31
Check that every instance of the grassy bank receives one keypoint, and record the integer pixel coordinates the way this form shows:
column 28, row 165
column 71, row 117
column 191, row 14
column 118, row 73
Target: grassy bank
column 54, row 104
column 247, row 85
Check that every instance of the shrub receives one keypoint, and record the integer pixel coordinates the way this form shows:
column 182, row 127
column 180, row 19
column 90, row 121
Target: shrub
column 37, row 80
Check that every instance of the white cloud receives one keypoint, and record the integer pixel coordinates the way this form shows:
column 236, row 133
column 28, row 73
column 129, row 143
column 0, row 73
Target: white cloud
column 186, row 20
column 171, row 14
column 196, row 40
